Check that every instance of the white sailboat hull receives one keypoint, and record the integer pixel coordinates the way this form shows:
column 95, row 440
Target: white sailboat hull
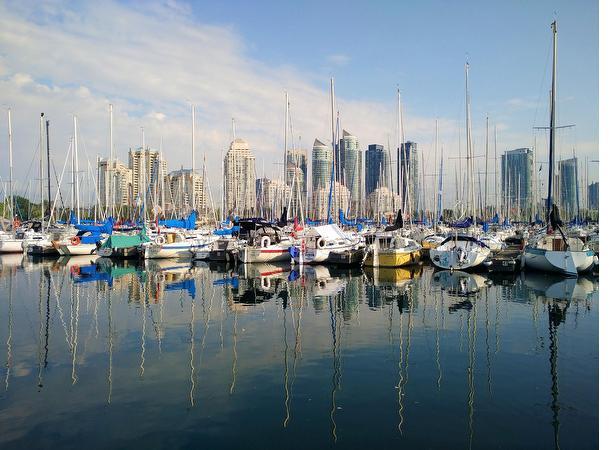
column 565, row 262
column 75, row 250
column 272, row 253
column 459, row 255
column 11, row 245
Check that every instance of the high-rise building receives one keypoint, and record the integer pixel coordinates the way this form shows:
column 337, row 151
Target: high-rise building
column 320, row 198
column 239, row 179
column 350, row 167
column 149, row 171
column 377, row 168
column 382, row 201
column 321, row 165
column 115, row 179
column 270, row 197
column 593, row 196
column 408, row 175
column 569, row 201
column 179, row 194
column 296, row 179
column 517, row 181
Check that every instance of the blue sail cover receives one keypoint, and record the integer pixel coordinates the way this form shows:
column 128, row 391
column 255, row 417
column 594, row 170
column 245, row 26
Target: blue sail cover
column 463, row 223
column 485, row 227
column 313, row 223
column 227, row 231
column 495, row 219
column 187, row 224
column 345, row 221
column 106, row 227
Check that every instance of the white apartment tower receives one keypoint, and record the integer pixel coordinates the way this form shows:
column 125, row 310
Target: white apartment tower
column 239, row 179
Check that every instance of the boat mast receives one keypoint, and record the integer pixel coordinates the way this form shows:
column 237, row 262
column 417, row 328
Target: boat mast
column 41, row 168
column 112, row 167
column 48, row 172
column 552, row 124
column 484, row 215
column 496, row 186
column 143, row 174
column 470, row 163
column 10, row 165
column 333, row 147
column 75, row 170
column 193, row 200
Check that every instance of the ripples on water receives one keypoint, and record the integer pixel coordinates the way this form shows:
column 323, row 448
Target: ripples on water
column 170, row 355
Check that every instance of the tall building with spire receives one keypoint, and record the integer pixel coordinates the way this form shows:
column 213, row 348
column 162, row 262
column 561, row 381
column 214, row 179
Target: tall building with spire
column 350, row 166
column 239, row 179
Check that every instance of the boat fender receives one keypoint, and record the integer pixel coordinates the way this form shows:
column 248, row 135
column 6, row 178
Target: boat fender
column 75, row 240
column 265, row 241
column 160, row 239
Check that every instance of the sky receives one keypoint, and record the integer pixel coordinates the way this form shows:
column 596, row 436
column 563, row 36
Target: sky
column 236, row 59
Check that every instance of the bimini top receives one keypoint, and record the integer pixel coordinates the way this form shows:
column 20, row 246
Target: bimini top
column 463, row 237
column 328, row 232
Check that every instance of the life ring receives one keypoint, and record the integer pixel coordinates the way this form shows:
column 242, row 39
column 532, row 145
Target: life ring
column 321, row 243
column 75, row 240
column 265, row 241
column 75, row 270
column 160, row 239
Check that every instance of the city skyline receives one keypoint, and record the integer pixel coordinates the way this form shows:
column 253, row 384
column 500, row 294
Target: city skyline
column 135, row 72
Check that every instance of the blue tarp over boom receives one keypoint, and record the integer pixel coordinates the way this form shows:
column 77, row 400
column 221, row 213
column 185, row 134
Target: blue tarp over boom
column 106, row 227
column 227, row 231
column 345, row 221
column 186, row 285
column 462, row 223
column 187, row 224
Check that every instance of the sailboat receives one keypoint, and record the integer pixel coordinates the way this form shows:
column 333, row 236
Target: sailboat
column 554, row 251
column 460, row 251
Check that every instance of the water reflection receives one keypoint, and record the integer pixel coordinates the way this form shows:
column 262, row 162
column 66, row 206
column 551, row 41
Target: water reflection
column 412, row 346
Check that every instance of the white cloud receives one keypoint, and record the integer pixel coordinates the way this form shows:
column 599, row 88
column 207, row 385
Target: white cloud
column 150, row 63
column 338, row 59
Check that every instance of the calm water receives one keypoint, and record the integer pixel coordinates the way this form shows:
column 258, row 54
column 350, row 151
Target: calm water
column 167, row 355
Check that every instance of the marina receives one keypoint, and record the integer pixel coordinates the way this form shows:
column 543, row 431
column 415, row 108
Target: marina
column 219, row 232
column 166, row 353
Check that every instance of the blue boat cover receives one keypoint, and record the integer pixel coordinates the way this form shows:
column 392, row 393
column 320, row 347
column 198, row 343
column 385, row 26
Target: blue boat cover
column 187, row 224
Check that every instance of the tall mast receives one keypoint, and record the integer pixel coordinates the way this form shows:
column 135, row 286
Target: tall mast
column 435, row 182
column 41, row 168
column 552, row 122
column 470, row 164
column 496, row 190
column 48, row 172
column 193, row 200
column 10, row 164
column 332, row 107
column 285, row 142
column 485, row 174
column 112, row 167
column 143, row 174
column 75, row 171
column 399, row 149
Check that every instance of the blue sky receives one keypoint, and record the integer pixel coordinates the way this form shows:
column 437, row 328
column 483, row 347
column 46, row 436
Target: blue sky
column 235, row 59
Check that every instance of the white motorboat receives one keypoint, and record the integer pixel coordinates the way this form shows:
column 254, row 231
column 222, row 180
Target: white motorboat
column 329, row 244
